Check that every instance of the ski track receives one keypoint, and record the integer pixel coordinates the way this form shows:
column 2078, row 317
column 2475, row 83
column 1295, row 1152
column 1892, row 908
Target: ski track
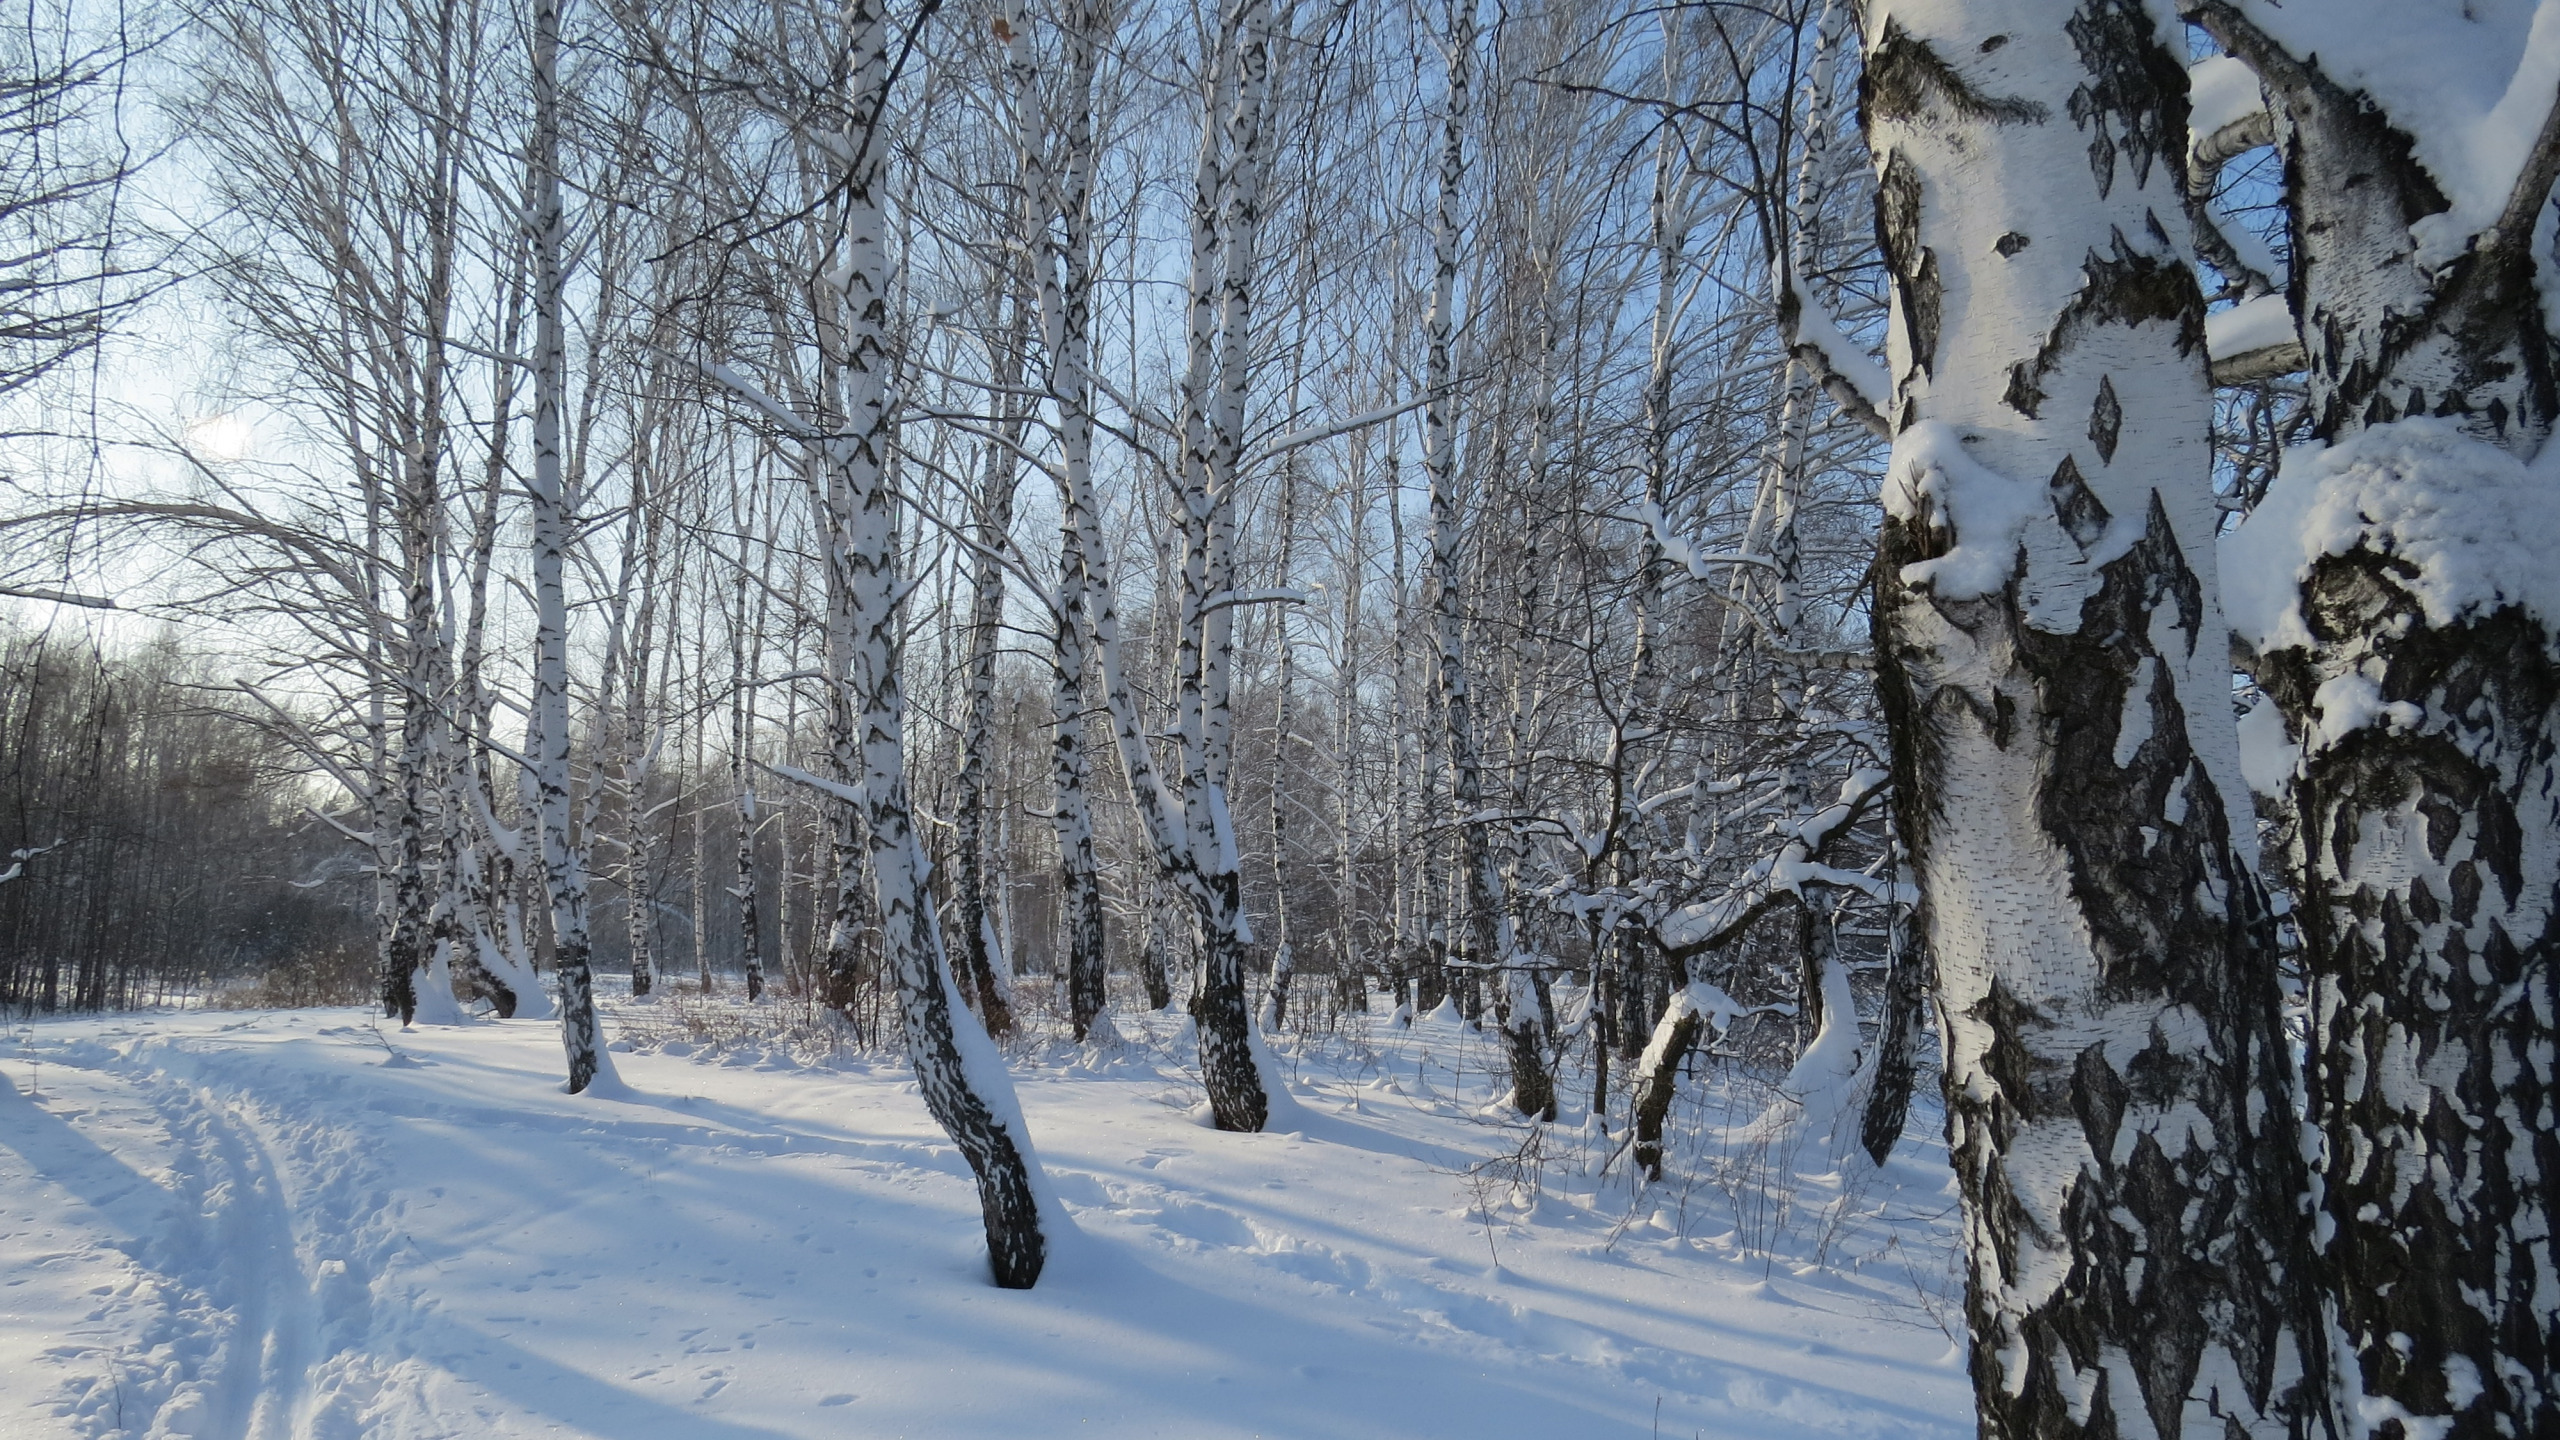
column 274, row 1271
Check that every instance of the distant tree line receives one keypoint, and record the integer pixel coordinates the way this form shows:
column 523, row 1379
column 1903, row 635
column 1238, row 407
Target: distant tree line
column 154, row 846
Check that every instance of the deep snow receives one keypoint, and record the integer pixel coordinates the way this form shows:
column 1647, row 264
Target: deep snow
column 309, row 1224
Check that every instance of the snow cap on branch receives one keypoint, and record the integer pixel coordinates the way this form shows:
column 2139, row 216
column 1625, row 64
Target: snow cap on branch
column 2470, row 83
column 2476, row 526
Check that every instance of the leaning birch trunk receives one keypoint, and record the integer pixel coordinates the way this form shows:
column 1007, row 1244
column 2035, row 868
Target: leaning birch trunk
column 2410, row 643
column 2053, row 659
column 957, row 1068
column 563, row 862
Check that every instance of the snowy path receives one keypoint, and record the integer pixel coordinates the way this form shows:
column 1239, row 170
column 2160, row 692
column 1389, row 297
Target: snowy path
column 272, row 1225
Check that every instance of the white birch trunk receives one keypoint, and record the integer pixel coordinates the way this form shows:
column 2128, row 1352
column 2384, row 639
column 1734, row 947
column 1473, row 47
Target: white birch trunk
column 547, row 742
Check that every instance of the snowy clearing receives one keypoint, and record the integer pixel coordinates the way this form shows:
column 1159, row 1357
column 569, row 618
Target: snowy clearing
column 281, row 1223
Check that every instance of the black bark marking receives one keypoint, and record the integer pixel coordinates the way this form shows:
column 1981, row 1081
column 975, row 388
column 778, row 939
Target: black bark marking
column 2022, row 394
column 2010, row 244
column 2099, row 1094
column 2464, row 881
column 1897, row 1038
column 2127, row 287
column 2106, row 420
column 1913, row 266
column 2084, row 518
column 1904, row 75
column 2133, row 84
column 1922, row 298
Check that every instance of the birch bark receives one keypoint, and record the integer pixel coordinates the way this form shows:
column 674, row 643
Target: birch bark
column 2423, row 732
column 2053, row 658
column 563, row 859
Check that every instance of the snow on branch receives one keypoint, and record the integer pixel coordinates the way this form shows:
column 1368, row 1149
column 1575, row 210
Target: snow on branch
column 1274, row 596
column 2253, row 340
column 849, row 794
column 1856, row 383
column 2227, row 112
column 1685, row 555
column 56, row 597
column 18, row 859
column 1317, row 434
column 1781, row 874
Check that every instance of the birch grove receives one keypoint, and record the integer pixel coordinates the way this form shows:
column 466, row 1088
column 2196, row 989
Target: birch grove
column 1956, row 558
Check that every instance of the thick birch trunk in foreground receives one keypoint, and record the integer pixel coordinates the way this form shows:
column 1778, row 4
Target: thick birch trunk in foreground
column 2407, row 636
column 2052, row 655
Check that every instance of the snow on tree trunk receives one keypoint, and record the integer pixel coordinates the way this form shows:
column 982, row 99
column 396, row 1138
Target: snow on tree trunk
column 564, row 871
column 958, row 1070
column 2053, row 658
column 2404, row 624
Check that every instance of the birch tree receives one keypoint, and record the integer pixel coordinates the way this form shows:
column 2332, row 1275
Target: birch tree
column 849, row 434
column 2053, row 657
column 2404, row 637
column 547, row 727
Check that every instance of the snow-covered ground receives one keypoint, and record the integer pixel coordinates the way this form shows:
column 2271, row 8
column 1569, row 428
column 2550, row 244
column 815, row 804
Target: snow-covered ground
column 307, row 1224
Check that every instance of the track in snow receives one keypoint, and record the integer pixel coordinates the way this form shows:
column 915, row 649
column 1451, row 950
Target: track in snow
column 294, row 1229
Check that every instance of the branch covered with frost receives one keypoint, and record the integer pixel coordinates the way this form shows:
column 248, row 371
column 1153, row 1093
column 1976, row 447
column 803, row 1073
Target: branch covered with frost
column 18, row 859
column 849, row 794
column 1779, row 875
